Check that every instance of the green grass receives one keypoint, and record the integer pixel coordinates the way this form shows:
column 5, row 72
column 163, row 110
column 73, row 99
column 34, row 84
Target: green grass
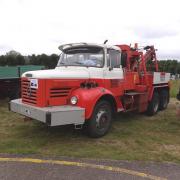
column 175, row 85
column 132, row 137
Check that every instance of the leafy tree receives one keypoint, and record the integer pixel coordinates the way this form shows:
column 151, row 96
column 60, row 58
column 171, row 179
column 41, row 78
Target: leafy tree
column 2, row 60
column 20, row 60
column 34, row 60
column 11, row 60
column 53, row 60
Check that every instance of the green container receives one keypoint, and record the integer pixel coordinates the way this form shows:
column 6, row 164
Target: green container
column 24, row 69
column 10, row 72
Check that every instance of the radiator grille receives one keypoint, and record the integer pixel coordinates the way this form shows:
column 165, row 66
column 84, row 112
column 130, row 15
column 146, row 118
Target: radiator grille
column 29, row 95
column 59, row 92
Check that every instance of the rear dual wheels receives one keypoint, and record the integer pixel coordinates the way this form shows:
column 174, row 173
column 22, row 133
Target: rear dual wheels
column 164, row 99
column 100, row 122
column 153, row 105
column 159, row 101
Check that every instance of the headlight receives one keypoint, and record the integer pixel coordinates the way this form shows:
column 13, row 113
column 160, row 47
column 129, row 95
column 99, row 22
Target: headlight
column 74, row 100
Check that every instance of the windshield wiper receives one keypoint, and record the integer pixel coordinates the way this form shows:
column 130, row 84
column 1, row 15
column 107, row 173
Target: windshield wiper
column 77, row 62
column 63, row 64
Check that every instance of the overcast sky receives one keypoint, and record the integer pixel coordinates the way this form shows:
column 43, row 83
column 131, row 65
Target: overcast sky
column 40, row 26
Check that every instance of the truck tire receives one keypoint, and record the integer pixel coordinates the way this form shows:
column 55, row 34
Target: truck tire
column 101, row 120
column 153, row 105
column 163, row 99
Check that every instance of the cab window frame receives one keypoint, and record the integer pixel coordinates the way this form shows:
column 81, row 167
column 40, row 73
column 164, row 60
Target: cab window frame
column 109, row 59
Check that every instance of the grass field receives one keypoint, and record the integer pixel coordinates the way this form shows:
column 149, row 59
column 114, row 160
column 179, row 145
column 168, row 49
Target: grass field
column 175, row 84
column 132, row 137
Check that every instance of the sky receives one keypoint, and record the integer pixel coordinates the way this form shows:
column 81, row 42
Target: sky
column 40, row 26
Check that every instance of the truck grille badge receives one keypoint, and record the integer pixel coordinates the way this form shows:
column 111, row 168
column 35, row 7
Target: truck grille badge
column 29, row 91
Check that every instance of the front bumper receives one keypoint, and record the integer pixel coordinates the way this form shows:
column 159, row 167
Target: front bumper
column 52, row 116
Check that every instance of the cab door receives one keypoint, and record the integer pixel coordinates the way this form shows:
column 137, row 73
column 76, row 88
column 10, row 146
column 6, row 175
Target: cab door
column 113, row 74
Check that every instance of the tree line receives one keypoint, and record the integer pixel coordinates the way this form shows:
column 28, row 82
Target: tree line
column 13, row 58
column 171, row 66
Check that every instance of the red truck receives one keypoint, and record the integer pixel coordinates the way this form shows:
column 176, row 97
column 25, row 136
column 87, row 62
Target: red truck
column 93, row 82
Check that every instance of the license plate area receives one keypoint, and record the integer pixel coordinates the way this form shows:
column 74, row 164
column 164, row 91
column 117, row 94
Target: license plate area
column 28, row 112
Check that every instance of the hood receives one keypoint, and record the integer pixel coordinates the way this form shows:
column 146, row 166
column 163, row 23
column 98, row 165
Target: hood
column 63, row 73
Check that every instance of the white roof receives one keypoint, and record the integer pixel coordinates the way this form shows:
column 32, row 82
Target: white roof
column 67, row 46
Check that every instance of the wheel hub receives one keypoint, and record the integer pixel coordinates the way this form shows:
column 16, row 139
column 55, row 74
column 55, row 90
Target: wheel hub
column 101, row 119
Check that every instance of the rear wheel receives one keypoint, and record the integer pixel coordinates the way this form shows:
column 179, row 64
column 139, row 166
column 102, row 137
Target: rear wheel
column 153, row 105
column 164, row 99
column 101, row 120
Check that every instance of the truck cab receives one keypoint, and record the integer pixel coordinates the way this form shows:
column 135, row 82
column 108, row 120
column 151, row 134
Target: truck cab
column 90, row 84
column 101, row 62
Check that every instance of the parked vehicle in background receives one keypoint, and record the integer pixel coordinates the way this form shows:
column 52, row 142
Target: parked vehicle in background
column 172, row 77
column 10, row 76
column 93, row 82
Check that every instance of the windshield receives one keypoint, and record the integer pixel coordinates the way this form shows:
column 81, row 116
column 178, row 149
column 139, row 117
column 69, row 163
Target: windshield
column 82, row 56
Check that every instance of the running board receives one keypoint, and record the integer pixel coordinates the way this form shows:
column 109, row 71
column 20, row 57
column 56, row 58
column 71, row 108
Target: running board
column 134, row 93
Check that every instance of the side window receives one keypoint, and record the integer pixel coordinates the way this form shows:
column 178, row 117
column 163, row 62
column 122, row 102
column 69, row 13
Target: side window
column 124, row 59
column 114, row 57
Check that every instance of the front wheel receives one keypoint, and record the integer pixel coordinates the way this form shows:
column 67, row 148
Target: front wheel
column 101, row 120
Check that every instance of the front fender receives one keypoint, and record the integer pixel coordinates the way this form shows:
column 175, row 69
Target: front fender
column 87, row 98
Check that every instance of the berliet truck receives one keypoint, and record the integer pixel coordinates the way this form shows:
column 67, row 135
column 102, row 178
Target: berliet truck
column 91, row 83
